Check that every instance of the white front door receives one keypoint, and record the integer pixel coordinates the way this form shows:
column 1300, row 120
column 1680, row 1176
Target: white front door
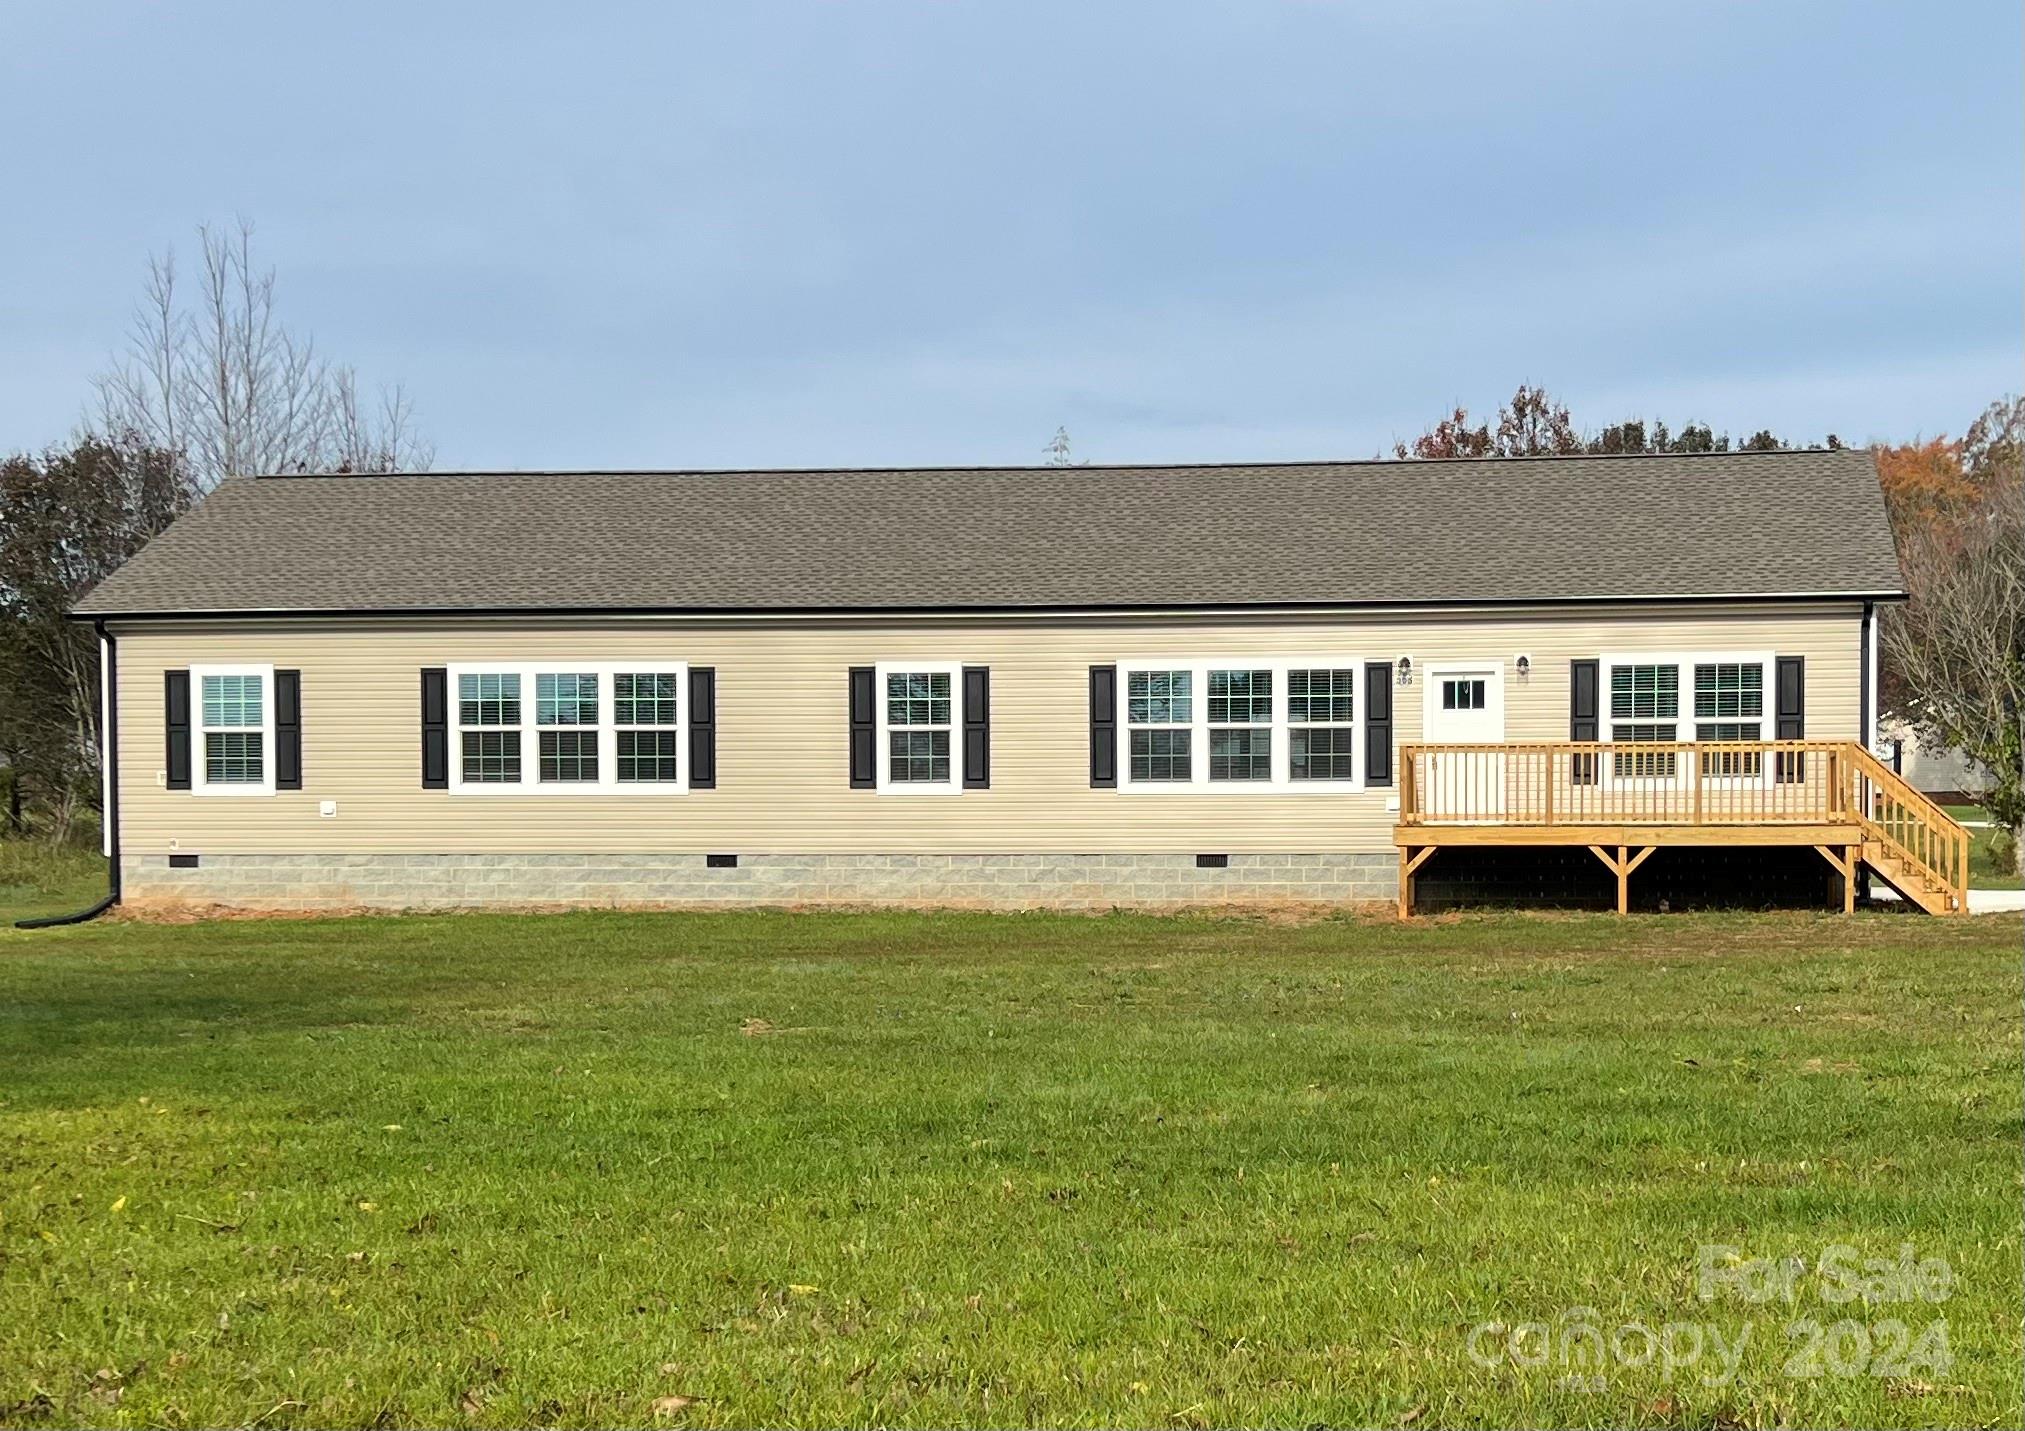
column 1463, row 705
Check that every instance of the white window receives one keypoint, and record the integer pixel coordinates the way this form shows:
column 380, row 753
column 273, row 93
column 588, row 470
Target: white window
column 920, row 727
column 488, row 727
column 580, row 728
column 1238, row 724
column 1321, row 723
column 1726, row 695
column 1160, row 726
column 1730, row 705
column 235, row 730
column 646, row 711
column 566, row 727
column 1241, row 724
column 1463, row 693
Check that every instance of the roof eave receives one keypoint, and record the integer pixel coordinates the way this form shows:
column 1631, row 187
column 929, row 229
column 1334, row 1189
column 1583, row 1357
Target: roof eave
column 1054, row 609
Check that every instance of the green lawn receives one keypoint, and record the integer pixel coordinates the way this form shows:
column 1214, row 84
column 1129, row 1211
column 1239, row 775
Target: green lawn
column 610, row 1168
column 1985, row 871
column 38, row 879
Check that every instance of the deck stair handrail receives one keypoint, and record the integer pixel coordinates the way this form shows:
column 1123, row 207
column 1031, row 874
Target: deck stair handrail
column 1910, row 827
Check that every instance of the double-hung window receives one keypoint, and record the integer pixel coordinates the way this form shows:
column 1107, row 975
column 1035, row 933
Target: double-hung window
column 645, row 709
column 1160, row 727
column 488, row 727
column 1644, row 706
column 235, row 725
column 920, row 713
column 1240, row 725
column 1728, row 704
column 566, row 717
column 580, row 727
column 1321, row 723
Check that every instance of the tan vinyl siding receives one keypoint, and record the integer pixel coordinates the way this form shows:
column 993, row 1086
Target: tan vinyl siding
column 782, row 781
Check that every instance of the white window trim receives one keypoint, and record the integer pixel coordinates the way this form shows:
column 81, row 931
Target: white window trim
column 530, row 782
column 1686, row 661
column 1282, row 782
column 200, row 781
column 883, row 765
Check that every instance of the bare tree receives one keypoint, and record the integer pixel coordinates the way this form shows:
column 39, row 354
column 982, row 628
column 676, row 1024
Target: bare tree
column 1959, row 644
column 225, row 383
column 1058, row 451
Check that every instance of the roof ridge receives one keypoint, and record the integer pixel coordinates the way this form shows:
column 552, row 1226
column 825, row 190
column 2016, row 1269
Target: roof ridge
column 1043, row 468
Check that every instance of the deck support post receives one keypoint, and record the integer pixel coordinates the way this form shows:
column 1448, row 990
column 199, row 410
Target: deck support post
column 1621, row 865
column 1844, row 864
column 1410, row 861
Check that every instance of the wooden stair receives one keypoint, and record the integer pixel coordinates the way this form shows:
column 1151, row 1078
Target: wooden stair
column 1909, row 880
column 1909, row 842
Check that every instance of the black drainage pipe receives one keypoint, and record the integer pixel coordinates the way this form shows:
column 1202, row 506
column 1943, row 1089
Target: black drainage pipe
column 76, row 916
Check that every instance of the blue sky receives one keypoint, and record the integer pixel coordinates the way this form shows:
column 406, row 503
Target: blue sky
column 855, row 234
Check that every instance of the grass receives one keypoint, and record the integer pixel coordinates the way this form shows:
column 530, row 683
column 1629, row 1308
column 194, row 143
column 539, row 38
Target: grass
column 751, row 1168
column 38, row 879
column 1985, row 871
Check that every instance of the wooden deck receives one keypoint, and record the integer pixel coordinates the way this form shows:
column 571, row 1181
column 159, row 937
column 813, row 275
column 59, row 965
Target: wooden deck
column 1623, row 800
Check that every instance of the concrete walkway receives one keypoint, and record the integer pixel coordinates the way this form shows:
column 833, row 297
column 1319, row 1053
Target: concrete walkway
column 1981, row 901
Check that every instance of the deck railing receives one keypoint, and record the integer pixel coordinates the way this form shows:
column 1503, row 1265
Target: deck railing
column 1625, row 783
column 1598, row 785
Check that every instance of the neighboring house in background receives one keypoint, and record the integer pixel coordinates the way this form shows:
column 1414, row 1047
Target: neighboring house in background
column 1945, row 774
column 1000, row 687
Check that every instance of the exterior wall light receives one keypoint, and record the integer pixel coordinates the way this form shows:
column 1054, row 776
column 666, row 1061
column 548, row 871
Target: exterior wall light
column 1406, row 670
column 1525, row 666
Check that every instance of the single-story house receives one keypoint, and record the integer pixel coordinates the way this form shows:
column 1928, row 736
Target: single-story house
column 997, row 687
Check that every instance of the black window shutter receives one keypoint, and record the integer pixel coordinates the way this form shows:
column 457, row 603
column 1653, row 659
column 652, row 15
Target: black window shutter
column 1103, row 727
column 864, row 729
column 1584, row 718
column 435, row 728
column 702, row 727
column 1378, row 723
column 1792, row 716
column 288, row 730
column 176, row 712
column 977, row 727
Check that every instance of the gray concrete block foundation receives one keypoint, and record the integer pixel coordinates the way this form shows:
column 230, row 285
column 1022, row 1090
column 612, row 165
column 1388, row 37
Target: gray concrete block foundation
column 1079, row 882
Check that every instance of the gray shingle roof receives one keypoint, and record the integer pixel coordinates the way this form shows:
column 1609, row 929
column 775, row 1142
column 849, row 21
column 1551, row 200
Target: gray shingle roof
column 1550, row 529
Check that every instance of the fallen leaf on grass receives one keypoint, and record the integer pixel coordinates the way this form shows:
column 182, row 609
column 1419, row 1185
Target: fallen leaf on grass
column 753, row 1028
column 669, row 1405
column 472, row 1402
